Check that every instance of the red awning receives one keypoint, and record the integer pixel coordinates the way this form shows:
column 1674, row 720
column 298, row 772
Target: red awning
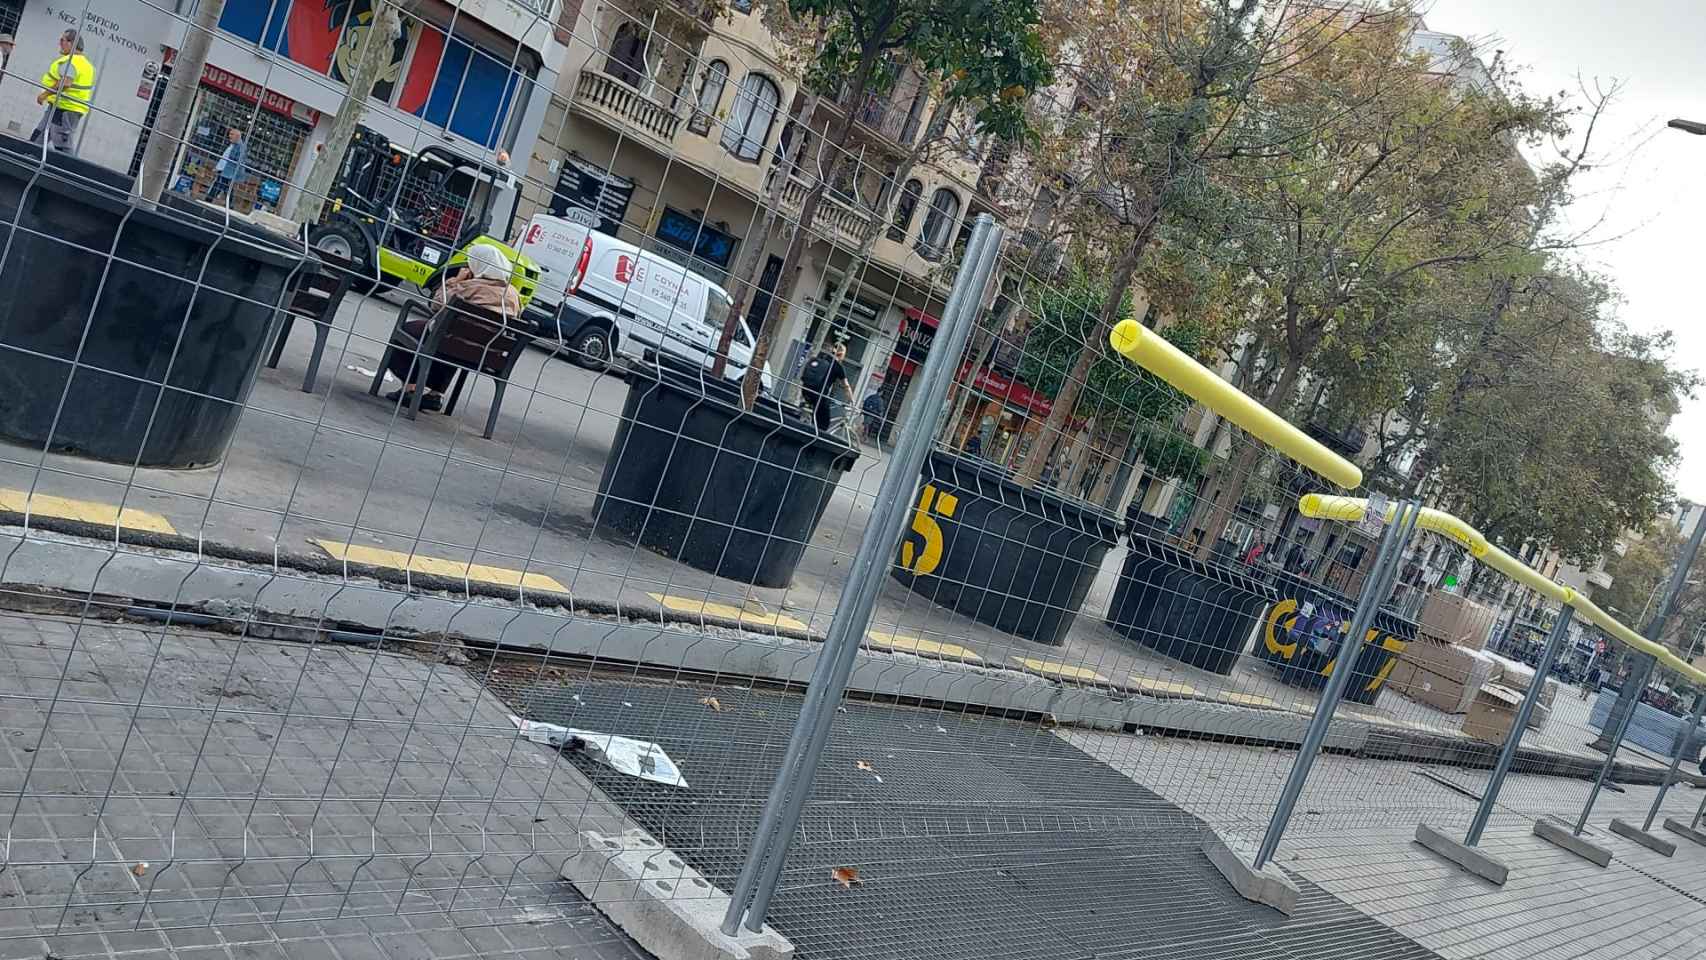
column 1009, row 391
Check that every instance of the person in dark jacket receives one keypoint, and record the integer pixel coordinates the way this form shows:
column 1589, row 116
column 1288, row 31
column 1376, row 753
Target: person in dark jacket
column 825, row 380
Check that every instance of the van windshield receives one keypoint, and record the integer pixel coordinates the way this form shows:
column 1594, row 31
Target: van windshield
column 717, row 304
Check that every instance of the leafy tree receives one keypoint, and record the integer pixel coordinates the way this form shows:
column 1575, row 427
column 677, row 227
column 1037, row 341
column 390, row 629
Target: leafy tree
column 1117, row 394
column 1151, row 85
column 985, row 55
column 1386, row 180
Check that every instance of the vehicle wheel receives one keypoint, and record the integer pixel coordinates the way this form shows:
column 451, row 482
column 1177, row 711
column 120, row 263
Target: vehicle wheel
column 344, row 241
column 592, row 347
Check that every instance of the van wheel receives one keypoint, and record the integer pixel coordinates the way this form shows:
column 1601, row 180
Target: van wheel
column 592, row 347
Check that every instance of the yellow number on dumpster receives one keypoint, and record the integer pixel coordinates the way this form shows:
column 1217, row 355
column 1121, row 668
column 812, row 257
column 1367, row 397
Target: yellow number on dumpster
column 929, row 501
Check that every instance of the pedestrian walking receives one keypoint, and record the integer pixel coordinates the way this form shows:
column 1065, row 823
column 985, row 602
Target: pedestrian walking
column 1591, row 682
column 824, row 381
column 68, row 86
column 230, row 166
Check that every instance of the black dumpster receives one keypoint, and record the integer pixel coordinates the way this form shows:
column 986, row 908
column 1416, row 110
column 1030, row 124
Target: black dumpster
column 1301, row 634
column 734, row 492
column 1020, row 560
column 1198, row 613
column 127, row 333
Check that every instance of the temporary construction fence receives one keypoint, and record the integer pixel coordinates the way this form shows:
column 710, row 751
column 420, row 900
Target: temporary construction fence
column 969, row 653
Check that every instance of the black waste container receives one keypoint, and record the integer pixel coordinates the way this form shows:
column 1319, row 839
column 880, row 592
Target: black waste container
column 735, row 492
column 127, row 333
column 1301, row 634
column 1018, row 559
column 1198, row 613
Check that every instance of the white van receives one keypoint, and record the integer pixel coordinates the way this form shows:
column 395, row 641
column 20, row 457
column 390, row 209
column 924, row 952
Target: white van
column 617, row 299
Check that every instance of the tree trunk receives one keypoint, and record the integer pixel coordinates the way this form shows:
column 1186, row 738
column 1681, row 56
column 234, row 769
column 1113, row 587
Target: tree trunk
column 753, row 255
column 836, row 143
column 375, row 53
column 1429, row 457
column 1242, row 465
column 1054, row 428
column 174, row 115
column 980, row 353
column 883, row 214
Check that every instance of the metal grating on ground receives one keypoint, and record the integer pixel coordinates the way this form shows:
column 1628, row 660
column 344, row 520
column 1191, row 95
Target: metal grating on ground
column 947, row 868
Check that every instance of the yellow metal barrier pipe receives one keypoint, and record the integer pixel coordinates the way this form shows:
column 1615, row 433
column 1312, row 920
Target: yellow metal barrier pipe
column 1323, row 506
column 1152, row 352
column 1351, row 509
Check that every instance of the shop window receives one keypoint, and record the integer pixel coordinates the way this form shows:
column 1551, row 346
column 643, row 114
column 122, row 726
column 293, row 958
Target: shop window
column 939, row 224
column 482, row 106
column 423, row 69
column 754, row 111
column 697, row 245
column 272, row 143
column 349, row 49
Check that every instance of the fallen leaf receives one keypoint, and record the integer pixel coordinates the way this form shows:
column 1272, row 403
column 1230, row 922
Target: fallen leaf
column 139, row 869
column 864, row 766
column 1050, row 721
column 712, row 702
column 846, row 876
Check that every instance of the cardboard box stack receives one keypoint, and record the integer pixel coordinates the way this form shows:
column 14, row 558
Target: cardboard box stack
column 1491, row 713
column 1449, row 618
column 1441, row 675
column 1517, row 677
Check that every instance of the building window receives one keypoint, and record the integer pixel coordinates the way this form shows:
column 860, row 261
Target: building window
column 11, row 12
column 754, row 112
column 786, row 147
column 710, row 96
column 697, row 245
column 904, row 210
column 627, row 59
column 939, row 224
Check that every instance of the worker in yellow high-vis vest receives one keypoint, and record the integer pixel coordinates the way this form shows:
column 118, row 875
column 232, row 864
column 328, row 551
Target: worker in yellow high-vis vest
column 67, row 87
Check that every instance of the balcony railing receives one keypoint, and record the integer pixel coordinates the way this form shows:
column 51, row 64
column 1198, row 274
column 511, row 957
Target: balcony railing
column 609, row 98
column 834, row 216
column 889, row 118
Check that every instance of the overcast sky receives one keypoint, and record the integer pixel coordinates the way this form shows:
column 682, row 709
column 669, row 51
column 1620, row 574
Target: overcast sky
column 1654, row 190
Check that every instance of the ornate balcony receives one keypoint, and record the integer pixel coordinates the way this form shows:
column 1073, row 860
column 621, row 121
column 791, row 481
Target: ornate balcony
column 625, row 109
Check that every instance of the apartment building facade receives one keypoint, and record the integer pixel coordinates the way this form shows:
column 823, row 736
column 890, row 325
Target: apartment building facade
column 672, row 128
